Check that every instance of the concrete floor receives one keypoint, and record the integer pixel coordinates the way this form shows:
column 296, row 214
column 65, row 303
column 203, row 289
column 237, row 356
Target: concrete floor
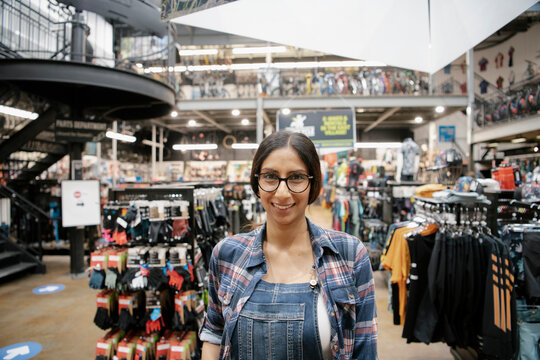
column 63, row 322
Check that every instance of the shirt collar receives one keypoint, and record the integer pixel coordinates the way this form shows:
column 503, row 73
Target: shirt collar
column 319, row 237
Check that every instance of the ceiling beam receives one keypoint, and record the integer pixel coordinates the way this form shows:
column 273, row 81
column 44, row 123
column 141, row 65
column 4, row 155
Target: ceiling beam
column 212, row 121
column 383, row 117
column 168, row 126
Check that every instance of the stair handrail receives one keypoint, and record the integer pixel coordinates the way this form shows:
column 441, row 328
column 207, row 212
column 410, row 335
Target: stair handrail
column 12, row 194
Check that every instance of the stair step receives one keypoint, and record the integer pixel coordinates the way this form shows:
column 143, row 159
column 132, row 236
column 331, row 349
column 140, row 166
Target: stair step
column 13, row 269
column 7, row 256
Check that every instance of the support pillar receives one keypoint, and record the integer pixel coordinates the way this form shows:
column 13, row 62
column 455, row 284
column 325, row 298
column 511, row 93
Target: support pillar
column 260, row 120
column 78, row 38
column 470, row 107
column 76, row 238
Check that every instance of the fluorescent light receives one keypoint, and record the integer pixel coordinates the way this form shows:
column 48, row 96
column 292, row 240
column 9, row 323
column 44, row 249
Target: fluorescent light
column 174, row 113
column 194, row 147
column 192, row 123
column 121, row 137
column 279, row 65
column 245, row 146
column 286, row 111
column 198, row 52
column 245, row 122
column 360, row 110
column 18, row 112
column 439, row 109
column 536, row 149
column 258, row 50
column 235, row 112
column 519, row 140
column 491, row 145
column 150, row 143
column 377, row 145
column 418, row 119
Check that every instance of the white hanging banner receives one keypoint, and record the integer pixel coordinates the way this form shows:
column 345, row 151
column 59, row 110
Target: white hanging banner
column 424, row 35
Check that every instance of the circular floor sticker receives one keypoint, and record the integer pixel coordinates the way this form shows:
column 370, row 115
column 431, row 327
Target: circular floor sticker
column 20, row 351
column 48, row 289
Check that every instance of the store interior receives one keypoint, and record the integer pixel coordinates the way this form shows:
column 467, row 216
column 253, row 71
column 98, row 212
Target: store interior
column 127, row 136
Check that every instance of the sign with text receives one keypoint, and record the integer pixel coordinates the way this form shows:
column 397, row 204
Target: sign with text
column 327, row 129
column 78, row 131
column 171, row 9
column 447, row 133
column 80, row 203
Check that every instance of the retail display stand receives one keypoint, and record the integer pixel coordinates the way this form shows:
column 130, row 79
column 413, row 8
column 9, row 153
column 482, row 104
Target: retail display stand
column 150, row 299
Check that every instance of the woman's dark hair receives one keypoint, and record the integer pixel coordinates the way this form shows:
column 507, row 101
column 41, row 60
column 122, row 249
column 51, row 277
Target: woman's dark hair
column 304, row 148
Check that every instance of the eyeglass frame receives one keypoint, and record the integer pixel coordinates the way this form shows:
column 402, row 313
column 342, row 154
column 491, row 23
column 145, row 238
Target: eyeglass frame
column 310, row 179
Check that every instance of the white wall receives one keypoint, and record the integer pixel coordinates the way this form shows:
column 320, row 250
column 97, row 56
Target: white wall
column 457, row 119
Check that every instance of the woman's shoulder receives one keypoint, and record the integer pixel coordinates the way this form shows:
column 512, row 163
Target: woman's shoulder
column 233, row 246
column 346, row 245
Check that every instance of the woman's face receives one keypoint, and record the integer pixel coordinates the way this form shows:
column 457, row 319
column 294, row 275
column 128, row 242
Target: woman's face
column 282, row 206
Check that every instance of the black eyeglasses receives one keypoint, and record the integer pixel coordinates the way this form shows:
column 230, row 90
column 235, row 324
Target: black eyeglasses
column 296, row 183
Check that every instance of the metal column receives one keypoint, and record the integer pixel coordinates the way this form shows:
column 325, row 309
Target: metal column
column 76, row 238
column 470, row 106
column 260, row 120
column 78, row 38
column 153, row 176
column 114, row 155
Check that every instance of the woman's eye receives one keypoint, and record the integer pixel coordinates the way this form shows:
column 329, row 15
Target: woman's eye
column 297, row 177
column 269, row 176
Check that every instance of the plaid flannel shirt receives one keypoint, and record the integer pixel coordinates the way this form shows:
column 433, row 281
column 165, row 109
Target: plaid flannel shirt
column 344, row 271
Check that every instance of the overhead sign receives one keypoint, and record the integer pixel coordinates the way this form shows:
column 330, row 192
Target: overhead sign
column 20, row 351
column 174, row 8
column 80, row 203
column 327, row 129
column 447, row 133
column 48, row 289
column 78, row 131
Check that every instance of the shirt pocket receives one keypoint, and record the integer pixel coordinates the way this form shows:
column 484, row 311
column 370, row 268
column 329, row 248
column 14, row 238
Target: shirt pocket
column 345, row 299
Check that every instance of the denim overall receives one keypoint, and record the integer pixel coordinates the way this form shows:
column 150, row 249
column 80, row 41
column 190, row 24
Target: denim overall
column 279, row 321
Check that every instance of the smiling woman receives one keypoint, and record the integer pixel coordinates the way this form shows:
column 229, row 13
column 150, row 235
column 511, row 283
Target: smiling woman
column 321, row 282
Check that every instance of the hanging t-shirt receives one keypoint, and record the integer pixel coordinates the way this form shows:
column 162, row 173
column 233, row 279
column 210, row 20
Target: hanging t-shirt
column 500, row 81
column 483, row 64
column 409, row 150
column 463, row 87
column 511, row 56
column 499, row 60
column 483, row 86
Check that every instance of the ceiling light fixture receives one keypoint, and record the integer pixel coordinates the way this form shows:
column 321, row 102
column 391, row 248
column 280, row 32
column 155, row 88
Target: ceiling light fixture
column 258, row 50
column 439, row 109
column 174, row 113
column 183, row 147
column 518, row 140
column 257, row 66
column 286, row 111
column 121, row 137
column 360, row 110
column 244, row 146
column 492, row 145
column 245, row 122
column 418, row 119
column 191, row 123
column 377, row 145
column 18, row 112
column 536, row 149
column 198, row 52
column 235, row 112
